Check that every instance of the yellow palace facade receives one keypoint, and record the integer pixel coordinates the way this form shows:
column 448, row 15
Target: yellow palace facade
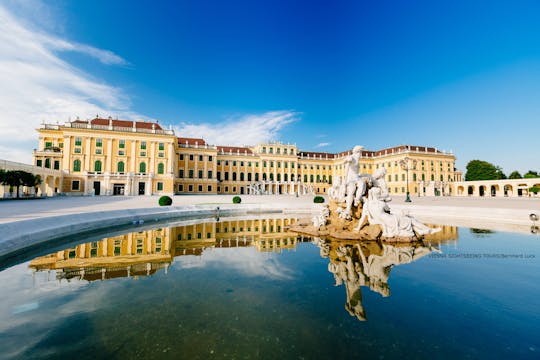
column 119, row 157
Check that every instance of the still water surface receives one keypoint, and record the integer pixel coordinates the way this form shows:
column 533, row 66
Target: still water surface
column 251, row 289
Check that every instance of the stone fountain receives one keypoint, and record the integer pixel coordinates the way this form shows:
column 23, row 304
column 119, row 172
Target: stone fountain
column 359, row 210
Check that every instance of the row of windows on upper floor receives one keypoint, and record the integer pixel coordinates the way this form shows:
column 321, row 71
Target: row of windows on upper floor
column 415, row 178
column 252, row 177
column 120, row 167
column 278, row 164
column 279, row 151
column 292, row 165
column 99, row 143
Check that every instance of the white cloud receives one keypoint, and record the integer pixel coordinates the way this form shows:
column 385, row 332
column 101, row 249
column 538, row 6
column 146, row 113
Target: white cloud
column 246, row 260
column 37, row 85
column 323, row 144
column 244, row 130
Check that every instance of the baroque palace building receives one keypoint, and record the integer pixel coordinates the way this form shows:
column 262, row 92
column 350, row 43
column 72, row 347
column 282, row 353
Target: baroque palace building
column 119, row 157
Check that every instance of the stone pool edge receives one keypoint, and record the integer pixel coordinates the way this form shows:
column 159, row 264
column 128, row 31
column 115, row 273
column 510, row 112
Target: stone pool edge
column 18, row 235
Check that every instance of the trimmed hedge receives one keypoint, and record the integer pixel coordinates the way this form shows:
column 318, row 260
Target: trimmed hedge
column 236, row 200
column 165, row 201
column 318, row 199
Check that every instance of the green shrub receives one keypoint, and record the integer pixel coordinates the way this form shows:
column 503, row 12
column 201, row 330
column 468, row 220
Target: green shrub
column 165, row 201
column 534, row 189
column 318, row 199
column 236, row 200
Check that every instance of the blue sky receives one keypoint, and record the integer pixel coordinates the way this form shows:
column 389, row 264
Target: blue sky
column 461, row 76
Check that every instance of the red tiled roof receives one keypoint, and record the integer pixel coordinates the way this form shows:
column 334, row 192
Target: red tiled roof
column 318, row 155
column 123, row 123
column 395, row 149
column 191, row 141
column 234, row 149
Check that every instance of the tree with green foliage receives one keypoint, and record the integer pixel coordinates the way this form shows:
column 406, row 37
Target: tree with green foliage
column 483, row 170
column 515, row 175
column 531, row 174
column 534, row 189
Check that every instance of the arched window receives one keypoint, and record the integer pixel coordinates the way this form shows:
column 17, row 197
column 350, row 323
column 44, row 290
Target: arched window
column 264, row 176
column 77, row 165
column 161, row 168
column 142, row 167
column 256, row 176
column 292, row 177
column 414, row 177
column 97, row 166
column 286, row 177
column 432, row 177
column 120, row 167
column 234, row 176
column 241, row 176
column 305, row 178
column 311, row 178
column 48, row 163
column 278, row 177
column 271, row 177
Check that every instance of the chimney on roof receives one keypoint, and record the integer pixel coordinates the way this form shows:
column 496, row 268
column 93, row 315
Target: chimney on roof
column 134, row 126
column 110, row 123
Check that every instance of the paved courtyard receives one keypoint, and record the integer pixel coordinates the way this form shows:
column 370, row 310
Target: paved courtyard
column 31, row 209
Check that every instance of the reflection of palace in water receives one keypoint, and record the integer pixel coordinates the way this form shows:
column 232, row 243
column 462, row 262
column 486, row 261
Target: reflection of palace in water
column 368, row 263
column 145, row 252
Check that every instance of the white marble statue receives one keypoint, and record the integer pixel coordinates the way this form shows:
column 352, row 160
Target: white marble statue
column 320, row 219
column 355, row 184
column 377, row 212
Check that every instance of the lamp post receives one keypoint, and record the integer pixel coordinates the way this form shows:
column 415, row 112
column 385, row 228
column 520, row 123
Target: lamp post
column 407, row 164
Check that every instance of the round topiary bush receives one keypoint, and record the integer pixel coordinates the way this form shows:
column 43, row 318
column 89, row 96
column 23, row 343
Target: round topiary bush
column 236, row 200
column 318, row 199
column 165, row 201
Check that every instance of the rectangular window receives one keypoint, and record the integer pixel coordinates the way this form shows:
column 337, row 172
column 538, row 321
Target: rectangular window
column 200, row 158
column 181, row 156
column 219, row 162
column 191, row 174
column 99, row 142
column 99, row 151
column 56, row 165
column 121, row 144
column 160, row 154
column 77, row 150
column 75, row 185
column 143, row 153
column 200, row 188
column 241, row 163
column 160, row 186
column 121, row 152
column 180, row 188
column 209, row 188
column 190, row 188
column 78, row 141
column 200, row 174
column 161, row 146
column 61, row 145
column 143, row 145
column 191, row 157
column 209, row 174
column 181, row 173
column 226, row 162
column 39, row 163
column 48, row 144
column 209, row 157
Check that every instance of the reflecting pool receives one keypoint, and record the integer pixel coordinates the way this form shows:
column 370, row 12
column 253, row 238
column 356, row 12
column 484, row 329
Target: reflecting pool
column 249, row 288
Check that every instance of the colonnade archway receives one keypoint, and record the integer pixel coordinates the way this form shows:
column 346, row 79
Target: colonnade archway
column 498, row 188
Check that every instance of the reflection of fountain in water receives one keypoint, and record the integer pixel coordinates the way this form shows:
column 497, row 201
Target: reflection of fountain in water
column 358, row 264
